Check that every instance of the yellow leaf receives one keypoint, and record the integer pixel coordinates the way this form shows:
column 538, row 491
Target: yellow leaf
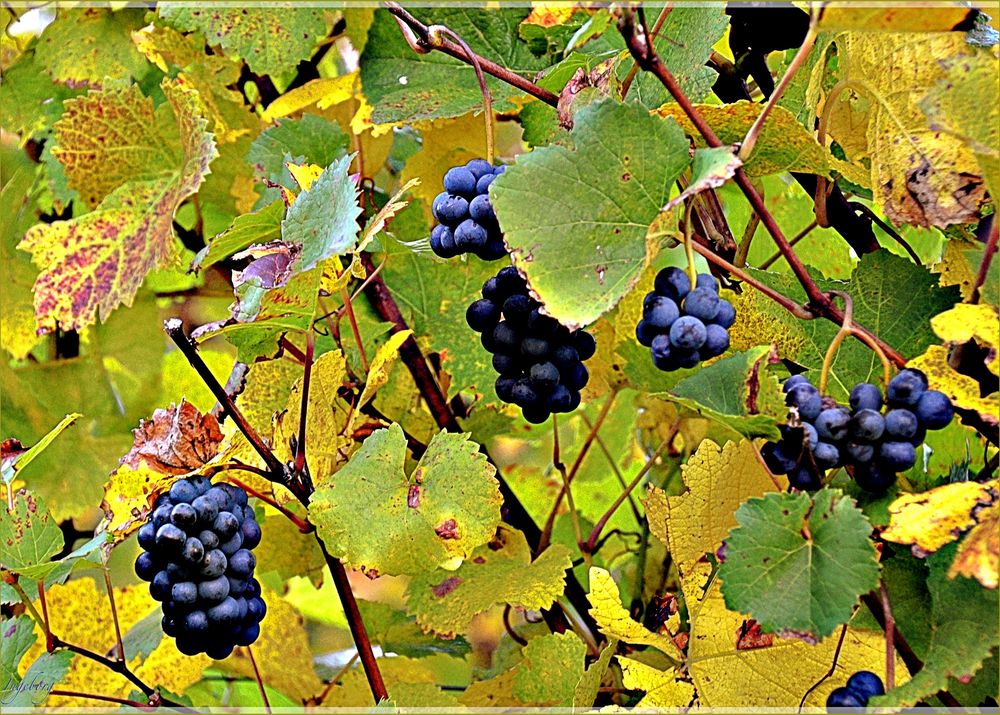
column 717, row 481
column 326, row 90
column 381, row 366
column 615, row 622
column 726, row 676
column 849, row 16
column 979, row 553
column 128, row 498
column 963, row 390
column 926, row 177
column 304, row 174
column 663, row 688
column 79, row 613
column 548, row 15
column 282, row 652
column 954, row 267
column 932, row 519
column 392, row 207
column 965, row 322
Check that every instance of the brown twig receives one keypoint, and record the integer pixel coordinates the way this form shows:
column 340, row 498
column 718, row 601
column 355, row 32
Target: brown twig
column 260, row 680
column 888, row 229
column 890, row 633
column 102, row 698
column 119, row 646
column 795, row 239
column 831, row 671
column 349, row 309
column 304, row 526
column 657, row 26
column 510, row 629
column 614, row 468
column 422, row 42
column 49, row 644
column 984, row 266
column 300, row 444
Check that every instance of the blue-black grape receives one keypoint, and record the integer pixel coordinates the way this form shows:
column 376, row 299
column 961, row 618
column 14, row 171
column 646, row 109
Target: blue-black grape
column 146, row 566
column 716, row 341
column 833, row 424
column 459, row 180
column 867, row 425
column 672, row 282
column 467, row 222
column 865, row 396
column 702, row 303
column 901, row 424
column 906, row 388
column 726, row 315
column 696, row 321
column 842, row 698
column 866, row 684
column 688, row 333
column 661, row 314
column 482, row 315
column 897, row 456
column 934, row 409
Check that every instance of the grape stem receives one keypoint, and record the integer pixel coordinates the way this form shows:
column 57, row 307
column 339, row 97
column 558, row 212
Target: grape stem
column 984, row 266
column 119, row 646
column 890, row 633
column 795, row 239
column 260, row 681
column 688, row 250
column 434, row 33
column 304, row 526
column 561, row 468
column 654, row 31
column 102, row 698
column 848, row 329
column 831, row 671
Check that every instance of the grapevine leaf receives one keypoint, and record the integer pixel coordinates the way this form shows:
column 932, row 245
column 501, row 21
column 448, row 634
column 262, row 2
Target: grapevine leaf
column 261, row 226
column 322, row 93
column 958, row 642
column 405, row 86
column 499, row 572
column 663, row 688
column 93, row 263
column 175, row 440
column 446, row 507
column 128, row 498
column 609, row 187
column 551, row 669
column 898, row 317
column 979, row 553
column 798, row 563
column 396, row 631
column 282, row 652
column 933, row 519
column 381, row 366
column 710, row 169
column 590, row 683
column 718, row 480
column 728, row 391
column 47, row 670
column 615, row 622
column 310, row 139
column 782, row 145
column 144, row 637
column 323, row 219
column 16, row 457
column 85, row 47
column 924, row 176
column 28, row 534
column 897, row 19
column 727, row 674
column 18, row 633
column 272, row 40
column 283, row 549
column 80, row 612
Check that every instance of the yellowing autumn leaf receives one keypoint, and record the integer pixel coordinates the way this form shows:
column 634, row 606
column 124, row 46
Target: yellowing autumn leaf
column 966, row 322
column 381, row 366
column 328, row 90
column 925, row 177
column 615, row 622
column 663, row 688
column 92, row 264
column 935, row 518
column 978, row 555
column 851, row 16
column 80, row 613
column 128, row 499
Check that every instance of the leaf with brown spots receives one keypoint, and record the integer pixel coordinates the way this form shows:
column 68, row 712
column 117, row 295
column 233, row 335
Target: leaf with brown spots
column 374, row 516
column 177, row 440
column 28, row 536
column 92, row 264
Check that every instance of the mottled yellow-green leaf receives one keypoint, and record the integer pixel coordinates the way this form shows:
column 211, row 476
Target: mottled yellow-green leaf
column 86, row 46
column 28, row 536
column 849, row 16
column 285, row 549
column 283, row 652
column 978, row 555
column 499, row 572
column 614, row 621
column 382, row 364
column 717, row 481
column 663, row 688
column 782, row 145
column 932, row 519
column 590, row 682
column 80, row 613
column 376, row 517
column 963, row 390
column 725, row 676
column 923, row 176
column 550, row 670
column 128, row 498
column 94, row 263
column 966, row 322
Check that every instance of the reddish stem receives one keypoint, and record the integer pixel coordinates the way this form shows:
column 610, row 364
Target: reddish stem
column 49, row 639
column 260, row 680
column 304, row 526
column 114, row 615
column 984, row 266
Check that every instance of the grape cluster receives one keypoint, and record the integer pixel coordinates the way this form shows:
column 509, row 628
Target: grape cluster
column 874, row 444
column 860, row 687
column 199, row 563
column 540, row 361
column 466, row 221
column 681, row 326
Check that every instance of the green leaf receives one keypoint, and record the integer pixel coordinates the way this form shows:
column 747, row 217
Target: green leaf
column 375, row 517
column 27, row 533
column 258, row 227
column 729, row 391
column 404, row 86
column 575, row 219
column 272, row 40
column 892, row 297
column 18, row 635
column 590, row 683
column 323, row 219
column 310, row 139
column 499, row 572
column 13, row 466
column 684, row 43
column 399, row 633
column 798, row 563
column 710, row 169
column 962, row 632
column 143, row 637
column 43, row 675
column 551, row 669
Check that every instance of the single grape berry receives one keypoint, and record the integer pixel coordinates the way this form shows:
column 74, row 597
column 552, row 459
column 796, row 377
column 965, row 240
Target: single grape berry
column 702, row 303
column 688, row 333
column 866, row 396
column 901, row 424
column 843, row 698
column 934, row 409
column 866, row 684
column 897, row 456
column 867, row 425
column 833, row 424
column 197, row 558
column 906, row 388
column 672, row 282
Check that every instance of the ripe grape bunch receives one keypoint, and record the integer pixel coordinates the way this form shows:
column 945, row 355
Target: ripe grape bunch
column 681, row 326
column 860, row 687
column 466, row 221
column 198, row 559
column 540, row 361
column 874, row 444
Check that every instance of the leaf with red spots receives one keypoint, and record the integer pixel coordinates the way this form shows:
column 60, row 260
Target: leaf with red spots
column 376, row 517
column 28, row 535
column 177, row 440
column 92, row 264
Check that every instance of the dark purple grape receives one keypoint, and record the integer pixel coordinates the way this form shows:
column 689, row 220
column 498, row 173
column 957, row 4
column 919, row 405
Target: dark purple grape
column 146, row 536
column 185, row 593
column 934, row 409
column 826, row 455
column 874, row 478
column 702, row 303
column 865, row 684
column 242, row 563
column 585, row 344
column 146, row 566
column 672, row 282
column 661, row 314
column 225, row 524
column 645, row 333
column 482, row 315
column 544, row 376
column 183, row 491
column 159, row 587
column 535, row 415
column 716, row 341
column 897, row 456
column 688, row 333
column 866, row 396
column 250, row 531
column 214, row 564
column 214, row 590
column 906, row 388
column 170, row 539
column 833, row 424
column 460, row 180
column 194, row 550
column 844, row 699
column 901, row 424
column 867, row 425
